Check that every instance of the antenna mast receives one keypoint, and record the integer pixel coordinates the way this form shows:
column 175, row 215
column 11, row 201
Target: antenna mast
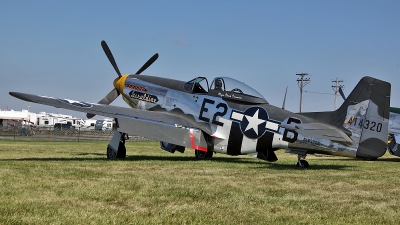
column 284, row 99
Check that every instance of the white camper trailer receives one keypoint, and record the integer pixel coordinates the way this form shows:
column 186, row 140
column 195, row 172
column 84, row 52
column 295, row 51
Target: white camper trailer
column 51, row 119
column 88, row 124
column 106, row 124
column 12, row 117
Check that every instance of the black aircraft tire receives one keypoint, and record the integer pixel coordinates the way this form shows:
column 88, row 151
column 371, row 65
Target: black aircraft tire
column 203, row 155
column 111, row 154
column 304, row 164
column 121, row 151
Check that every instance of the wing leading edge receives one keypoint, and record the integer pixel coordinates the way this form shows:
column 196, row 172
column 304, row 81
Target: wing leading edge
column 162, row 126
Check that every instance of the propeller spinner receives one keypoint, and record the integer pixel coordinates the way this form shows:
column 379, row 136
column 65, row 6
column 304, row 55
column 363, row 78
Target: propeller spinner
column 110, row 97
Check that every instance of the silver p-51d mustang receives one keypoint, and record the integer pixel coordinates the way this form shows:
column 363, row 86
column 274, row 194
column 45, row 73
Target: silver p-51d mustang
column 230, row 117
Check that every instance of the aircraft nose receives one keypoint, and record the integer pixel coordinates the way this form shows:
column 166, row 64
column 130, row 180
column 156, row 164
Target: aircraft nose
column 119, row 83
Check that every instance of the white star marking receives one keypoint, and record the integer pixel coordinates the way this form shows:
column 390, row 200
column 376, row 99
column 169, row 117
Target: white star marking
column 254, row 121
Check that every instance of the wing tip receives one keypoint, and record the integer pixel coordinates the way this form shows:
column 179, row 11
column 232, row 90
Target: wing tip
column 22, row 96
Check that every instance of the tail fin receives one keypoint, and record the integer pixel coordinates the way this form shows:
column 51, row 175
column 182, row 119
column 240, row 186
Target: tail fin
column 367, row 114
column 364, row 116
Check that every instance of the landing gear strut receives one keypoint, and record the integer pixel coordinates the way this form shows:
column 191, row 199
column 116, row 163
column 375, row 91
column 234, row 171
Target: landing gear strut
column 116, row 147
column 301, row 162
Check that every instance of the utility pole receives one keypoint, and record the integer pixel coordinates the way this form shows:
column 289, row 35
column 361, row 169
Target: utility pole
column 336, row 89
column 301, row 82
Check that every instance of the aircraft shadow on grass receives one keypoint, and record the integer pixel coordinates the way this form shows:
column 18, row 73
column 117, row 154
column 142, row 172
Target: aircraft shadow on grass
column 136, row 158
column 388, row 160
column 363, row 160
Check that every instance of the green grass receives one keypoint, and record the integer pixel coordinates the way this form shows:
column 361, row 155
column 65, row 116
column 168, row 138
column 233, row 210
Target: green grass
column 74, row 183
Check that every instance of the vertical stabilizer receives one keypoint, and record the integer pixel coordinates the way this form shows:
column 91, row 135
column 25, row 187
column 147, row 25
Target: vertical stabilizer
column 363, row 116
column 367, row 116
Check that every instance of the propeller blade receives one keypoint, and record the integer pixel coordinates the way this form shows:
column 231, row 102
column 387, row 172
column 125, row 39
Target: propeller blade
column 148, row 63
column 110, row 97
column 110, row 57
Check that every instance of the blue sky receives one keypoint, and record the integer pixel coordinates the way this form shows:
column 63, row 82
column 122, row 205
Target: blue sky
column 53, row 48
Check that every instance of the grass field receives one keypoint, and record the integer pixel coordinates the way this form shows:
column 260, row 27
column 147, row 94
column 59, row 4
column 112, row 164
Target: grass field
column 74, row 183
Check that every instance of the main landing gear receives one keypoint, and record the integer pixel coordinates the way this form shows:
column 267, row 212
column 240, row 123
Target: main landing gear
column 301, row 162
column 202, row 154
column 116, row 147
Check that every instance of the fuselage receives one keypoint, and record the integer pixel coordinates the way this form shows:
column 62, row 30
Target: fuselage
column 240, row 122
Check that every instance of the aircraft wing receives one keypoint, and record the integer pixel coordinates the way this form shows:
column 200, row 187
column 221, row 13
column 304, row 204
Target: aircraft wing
column 162, row 126
column 319, row 130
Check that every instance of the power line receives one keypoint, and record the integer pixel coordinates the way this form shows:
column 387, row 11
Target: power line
column 314, row 92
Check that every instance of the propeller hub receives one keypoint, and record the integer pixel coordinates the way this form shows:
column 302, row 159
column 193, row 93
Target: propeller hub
column 119, row 83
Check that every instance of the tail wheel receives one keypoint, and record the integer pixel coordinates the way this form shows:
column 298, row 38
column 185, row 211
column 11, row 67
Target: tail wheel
column 302, row 164
column 203, row 155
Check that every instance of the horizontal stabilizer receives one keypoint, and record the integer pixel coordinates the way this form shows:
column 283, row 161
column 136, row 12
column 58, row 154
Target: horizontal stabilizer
column 319, row 130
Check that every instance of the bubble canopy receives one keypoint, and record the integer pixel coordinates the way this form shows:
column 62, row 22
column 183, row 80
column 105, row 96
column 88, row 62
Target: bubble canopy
column 224, row 87
column 232, row 85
